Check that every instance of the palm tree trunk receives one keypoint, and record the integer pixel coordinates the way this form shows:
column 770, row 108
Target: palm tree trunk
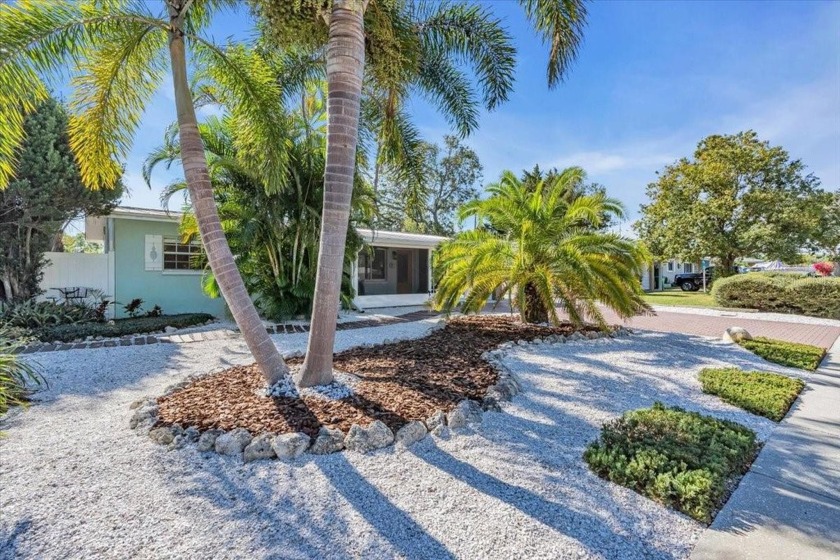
column 345, row 71
column 533, row 309
column 213, row 238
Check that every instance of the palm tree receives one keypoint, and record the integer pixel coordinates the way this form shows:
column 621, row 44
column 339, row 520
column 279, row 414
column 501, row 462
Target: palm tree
column 398, row 45
column 545, row 248
column 118, row 52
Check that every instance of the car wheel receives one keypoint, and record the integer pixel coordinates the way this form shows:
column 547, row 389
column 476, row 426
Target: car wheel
column 687, row 286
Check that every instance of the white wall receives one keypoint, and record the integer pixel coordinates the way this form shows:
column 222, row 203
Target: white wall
column 66, row 270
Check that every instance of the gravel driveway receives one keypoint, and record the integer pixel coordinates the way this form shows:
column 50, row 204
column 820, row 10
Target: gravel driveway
column 76, row 482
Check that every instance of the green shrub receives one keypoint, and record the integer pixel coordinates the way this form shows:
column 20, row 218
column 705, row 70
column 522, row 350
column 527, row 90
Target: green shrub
column 33, row 314
column 120, row 327
column 678, row 458
column 15, row 375
column 780, row 292
column 817, row 297
column 766, row 394
column 803, row 356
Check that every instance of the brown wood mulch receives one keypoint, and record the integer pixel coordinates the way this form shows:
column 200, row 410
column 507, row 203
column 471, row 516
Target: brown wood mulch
column 400, row 382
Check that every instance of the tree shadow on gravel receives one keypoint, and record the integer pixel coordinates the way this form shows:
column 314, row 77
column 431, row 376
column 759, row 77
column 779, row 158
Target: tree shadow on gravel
column 11, row 539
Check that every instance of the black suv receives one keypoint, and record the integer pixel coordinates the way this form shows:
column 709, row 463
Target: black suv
column 693, row 281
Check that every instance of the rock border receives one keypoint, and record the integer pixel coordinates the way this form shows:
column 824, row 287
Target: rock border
column 360, row 439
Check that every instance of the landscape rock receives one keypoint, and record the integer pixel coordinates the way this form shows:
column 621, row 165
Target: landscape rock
column 259, row 448
column 435, row 420
column 329, row 440
column 191, row 434
column 233, row 442
column 140, row 403
column 374, row 436
column 146, row 415
column 736, row 334
column 207, row 440
column 165, row 435
column 465, row 412
column 169, row 330
column 442, row 431
column 411, row 433
column 290, row 446
column 491, row 404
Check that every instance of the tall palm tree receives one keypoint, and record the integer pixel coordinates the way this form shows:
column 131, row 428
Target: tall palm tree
column 118, row 52
column 399, row 45
column 545, row 248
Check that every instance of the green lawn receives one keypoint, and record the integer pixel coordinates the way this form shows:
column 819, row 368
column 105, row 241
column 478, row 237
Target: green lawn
column 790, row 354
column 766, row 394
column 678, row 458
column 679, row 297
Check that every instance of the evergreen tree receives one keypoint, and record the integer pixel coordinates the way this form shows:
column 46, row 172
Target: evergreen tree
column 44, row 195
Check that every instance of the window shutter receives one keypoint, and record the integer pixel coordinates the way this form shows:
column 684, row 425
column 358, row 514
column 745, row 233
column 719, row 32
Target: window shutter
column 154, row 252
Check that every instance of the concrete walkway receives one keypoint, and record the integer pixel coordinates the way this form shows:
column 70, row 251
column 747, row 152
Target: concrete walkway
column 788, row 505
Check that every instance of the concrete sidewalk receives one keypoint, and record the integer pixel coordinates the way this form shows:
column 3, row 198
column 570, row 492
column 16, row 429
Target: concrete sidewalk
column 788, row 505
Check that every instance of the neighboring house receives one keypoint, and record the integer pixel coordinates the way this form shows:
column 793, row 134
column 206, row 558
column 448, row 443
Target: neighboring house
column 660, row 274
column 145, row 258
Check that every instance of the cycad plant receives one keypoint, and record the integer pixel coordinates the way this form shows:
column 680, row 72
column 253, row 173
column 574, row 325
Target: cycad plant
column 117, row 53
column 395, row 47
column 544, row 248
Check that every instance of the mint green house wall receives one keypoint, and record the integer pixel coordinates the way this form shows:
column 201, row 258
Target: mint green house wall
column 174, row 291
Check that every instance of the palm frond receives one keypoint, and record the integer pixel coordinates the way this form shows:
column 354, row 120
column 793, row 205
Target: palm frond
column 560, row 23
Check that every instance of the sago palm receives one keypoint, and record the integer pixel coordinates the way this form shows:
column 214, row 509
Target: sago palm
column 400, row 45
column 544, row 248
column 117, row 53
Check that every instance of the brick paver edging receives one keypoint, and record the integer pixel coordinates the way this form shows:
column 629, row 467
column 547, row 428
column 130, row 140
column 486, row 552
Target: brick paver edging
column 139, row 340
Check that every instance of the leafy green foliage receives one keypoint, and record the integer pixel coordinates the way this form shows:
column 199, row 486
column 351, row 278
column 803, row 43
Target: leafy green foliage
column 16, row 375
column 802, row 356
column 33, row 314
column 784, row 293
column 446, row 182
column 766, row 394
column 542, row 244
column 272, row 227
column 120, row 327
column 825, row 239
column 678, row 458
column 738, row 197
column 45, row 193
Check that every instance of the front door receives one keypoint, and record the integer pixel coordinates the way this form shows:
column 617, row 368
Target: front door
column 403, row 272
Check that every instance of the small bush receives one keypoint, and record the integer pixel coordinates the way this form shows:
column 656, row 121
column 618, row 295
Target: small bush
column 766, row 394
column 15, row 375
column 120, row 327
column 36, row 314
column 678, row 458
column 780, row 292
column 817, row 297
column 791, row 354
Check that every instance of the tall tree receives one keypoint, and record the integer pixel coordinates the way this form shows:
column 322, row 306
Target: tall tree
column 825, row 238
column 43, row 196
column 447, row 182
column 400, row 44
column 119, row 52
column 738, row 197
column 545, row 247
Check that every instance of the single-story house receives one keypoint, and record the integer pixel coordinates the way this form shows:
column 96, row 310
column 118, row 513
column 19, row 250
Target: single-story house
column 145, row 258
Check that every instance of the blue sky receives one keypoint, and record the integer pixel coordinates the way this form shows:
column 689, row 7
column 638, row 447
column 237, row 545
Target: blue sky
column 652, row 79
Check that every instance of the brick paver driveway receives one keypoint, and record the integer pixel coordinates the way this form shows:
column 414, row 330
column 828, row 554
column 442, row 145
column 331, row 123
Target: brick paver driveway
column 708, row 325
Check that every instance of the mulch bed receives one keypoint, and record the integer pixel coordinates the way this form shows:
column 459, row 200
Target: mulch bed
column 400, row 382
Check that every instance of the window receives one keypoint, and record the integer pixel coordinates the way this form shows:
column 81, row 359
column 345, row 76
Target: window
column 181, row 256
column 670, row 266
column 372, row 264
column 688, row 267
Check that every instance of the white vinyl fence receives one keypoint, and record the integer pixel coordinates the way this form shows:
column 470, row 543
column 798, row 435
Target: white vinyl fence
column 76, row 270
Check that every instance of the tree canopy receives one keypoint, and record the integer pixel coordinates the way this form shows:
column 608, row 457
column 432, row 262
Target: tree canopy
column 737, row 197
column 45, row 193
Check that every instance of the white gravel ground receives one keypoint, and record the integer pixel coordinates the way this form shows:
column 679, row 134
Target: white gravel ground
column 76, row 482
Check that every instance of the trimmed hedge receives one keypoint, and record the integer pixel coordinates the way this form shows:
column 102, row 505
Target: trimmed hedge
column 678, row 458
column 779, row 292
column 791, row 354
column 766, row 394
column 120, row 327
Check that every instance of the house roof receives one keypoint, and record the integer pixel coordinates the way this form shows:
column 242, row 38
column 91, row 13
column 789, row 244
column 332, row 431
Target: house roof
column 400, row 239
column 372, row 237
